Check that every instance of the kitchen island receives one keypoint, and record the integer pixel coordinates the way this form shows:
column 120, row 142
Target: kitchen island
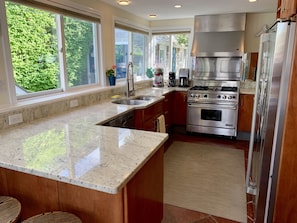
column 67, row 162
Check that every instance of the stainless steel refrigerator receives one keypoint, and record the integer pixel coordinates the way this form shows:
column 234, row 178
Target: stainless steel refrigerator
column 273, row 75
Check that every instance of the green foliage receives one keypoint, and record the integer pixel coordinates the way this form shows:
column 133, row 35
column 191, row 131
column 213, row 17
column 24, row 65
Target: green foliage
column 34, row 48
column 182, row 39
column 78, row 41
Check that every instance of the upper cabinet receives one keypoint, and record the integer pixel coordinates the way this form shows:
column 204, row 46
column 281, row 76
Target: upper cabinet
column 286, row 8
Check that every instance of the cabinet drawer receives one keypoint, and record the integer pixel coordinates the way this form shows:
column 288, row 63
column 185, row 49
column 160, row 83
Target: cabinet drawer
column 153, row 111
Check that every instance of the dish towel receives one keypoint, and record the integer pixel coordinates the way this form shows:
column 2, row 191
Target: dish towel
column 161, row 124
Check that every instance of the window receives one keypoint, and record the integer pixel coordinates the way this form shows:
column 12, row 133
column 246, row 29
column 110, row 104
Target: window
column 170, row 52
column 51, row 49
column 130, row 46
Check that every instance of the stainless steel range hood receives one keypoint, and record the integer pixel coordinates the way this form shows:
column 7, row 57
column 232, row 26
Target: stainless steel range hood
column 219, row 35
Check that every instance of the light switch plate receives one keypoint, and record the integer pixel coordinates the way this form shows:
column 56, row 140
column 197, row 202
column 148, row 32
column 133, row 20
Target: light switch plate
column 73, row 103
column 15, row 119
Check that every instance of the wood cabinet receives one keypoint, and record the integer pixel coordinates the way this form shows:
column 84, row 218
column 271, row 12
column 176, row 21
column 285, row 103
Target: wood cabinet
column 180, row 108
column 145, row 119
column 168, row 109
column 253, row 66
column 141, row 199
column 245, row 112
column 286, row 8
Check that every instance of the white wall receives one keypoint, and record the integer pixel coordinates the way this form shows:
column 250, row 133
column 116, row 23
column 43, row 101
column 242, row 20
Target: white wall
column 254, row 24
column 171, row 23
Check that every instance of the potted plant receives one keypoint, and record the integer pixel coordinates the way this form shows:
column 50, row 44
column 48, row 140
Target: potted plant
column 111, row 74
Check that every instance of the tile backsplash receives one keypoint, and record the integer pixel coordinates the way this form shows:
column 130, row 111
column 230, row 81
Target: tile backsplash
column 30, row 113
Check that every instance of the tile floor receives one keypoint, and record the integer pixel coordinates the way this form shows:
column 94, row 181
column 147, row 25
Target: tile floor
column 173, row 214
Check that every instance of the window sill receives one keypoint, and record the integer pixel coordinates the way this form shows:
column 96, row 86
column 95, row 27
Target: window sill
column 119, row 88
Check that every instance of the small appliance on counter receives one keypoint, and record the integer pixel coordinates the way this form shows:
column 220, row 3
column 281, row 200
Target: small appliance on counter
column 158, row 78
column 172, row 81
column 184, row 77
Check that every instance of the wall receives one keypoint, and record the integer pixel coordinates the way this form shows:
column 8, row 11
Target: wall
column 254, row 24
column 43, row 109
column 171, row 24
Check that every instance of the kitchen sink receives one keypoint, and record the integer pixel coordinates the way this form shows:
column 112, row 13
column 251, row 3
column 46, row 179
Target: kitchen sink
column 144, row 97
column 129, row 101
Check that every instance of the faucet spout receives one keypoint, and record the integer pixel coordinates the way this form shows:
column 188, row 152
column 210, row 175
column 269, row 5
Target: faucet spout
column 130, row 80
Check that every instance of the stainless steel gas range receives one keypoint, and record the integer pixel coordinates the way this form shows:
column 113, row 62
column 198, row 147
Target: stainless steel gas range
column 213, row 100
column 213, row 107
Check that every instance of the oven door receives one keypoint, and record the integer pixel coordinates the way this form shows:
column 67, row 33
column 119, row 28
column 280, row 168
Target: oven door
column 212, row 118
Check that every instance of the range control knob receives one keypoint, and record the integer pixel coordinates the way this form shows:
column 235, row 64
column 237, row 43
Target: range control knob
column 205, row 96
column 219, row 96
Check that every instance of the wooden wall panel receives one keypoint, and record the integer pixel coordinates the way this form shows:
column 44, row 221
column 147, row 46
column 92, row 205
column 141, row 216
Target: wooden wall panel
column 245, row 112
column 36, row 194
column 144, row 192
column 90, row 205
column 3, row 182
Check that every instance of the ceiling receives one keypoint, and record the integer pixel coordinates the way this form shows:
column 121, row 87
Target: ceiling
column 164, row 9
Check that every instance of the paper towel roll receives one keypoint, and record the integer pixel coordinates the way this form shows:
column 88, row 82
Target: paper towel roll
column 161, row 124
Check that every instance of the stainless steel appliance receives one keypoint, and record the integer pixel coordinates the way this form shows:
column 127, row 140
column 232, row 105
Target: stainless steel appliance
column 123, row 121
column 171, row 81
column 217, row 68
column 213, row 107
column 219, row 35
column 184, row 75
column 273, row 76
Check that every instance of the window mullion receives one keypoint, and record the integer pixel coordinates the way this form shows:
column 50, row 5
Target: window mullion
column 130, row 47
column 6, row 71
column 97, row 47
column 62, row 51
column 170, row 53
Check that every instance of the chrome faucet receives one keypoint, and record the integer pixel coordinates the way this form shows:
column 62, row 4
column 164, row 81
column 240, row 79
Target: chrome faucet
column 130, row 80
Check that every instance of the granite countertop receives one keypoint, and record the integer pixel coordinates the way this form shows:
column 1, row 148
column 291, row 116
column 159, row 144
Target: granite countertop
column 72, row 148
column 248, row 87
column 247, row 91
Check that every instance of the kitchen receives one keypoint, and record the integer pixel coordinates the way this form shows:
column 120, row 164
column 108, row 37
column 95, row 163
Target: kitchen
column 107, row 29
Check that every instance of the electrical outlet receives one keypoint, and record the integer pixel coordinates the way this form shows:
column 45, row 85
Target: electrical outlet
column 15, row 119
column 73, row 103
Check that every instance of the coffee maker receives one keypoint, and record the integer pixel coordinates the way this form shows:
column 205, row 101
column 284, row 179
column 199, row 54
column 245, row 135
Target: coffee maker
column 184, row 74
column 171, row 82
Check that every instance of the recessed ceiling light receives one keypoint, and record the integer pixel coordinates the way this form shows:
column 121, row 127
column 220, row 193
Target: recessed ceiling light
column 177, row 6
column 152, row 15
column 252, row 0
column 123, row 2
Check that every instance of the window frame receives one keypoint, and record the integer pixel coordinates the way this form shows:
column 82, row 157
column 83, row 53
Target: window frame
column 132, row 28
column 188, row 60
column 72, row 10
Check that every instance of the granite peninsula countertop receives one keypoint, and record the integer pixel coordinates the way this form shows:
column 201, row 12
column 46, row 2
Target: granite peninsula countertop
column 72, row 148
